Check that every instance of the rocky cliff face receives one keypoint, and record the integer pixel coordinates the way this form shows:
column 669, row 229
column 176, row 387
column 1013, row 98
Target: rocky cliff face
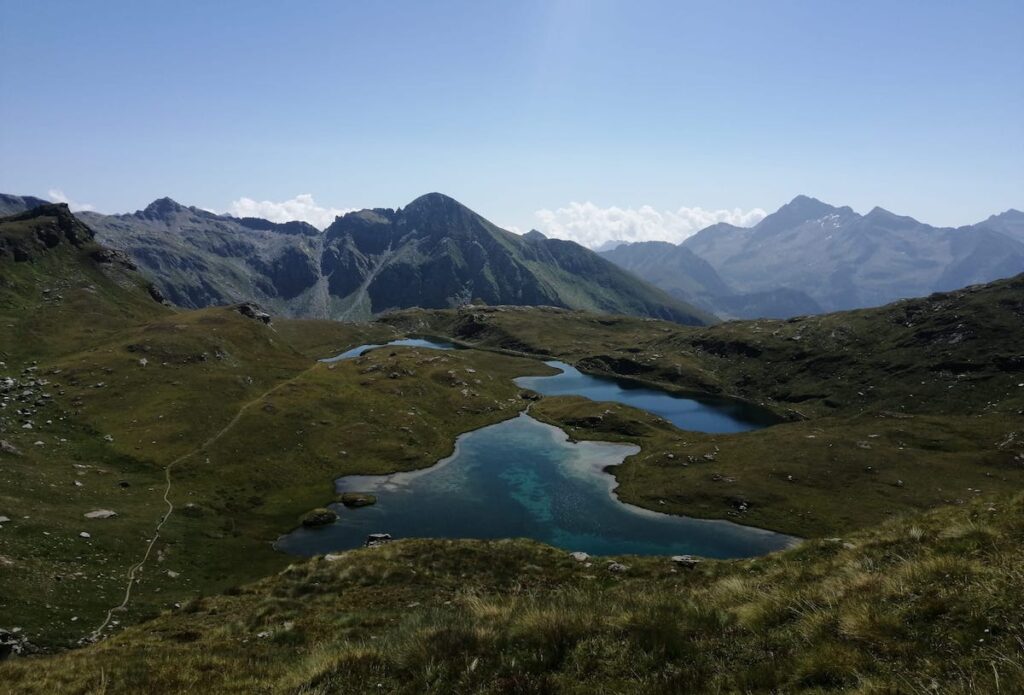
column 432, row 253
column 437, row 253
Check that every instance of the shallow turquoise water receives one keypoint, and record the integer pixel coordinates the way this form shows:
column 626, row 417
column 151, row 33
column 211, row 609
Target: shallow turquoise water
column 523, row 478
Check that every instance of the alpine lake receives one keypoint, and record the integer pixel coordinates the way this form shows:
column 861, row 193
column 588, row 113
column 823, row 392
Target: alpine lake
column 523, row 478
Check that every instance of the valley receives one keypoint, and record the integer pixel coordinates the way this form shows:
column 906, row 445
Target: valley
column 534, row 348
column 209, row 433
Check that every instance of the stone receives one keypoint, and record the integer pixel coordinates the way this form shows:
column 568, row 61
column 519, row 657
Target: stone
column 13, row 643
column 253, row 311
column 318, row 517
column 377, row 539
column 8, row 448
column 617, row 567
column 100, row 514
column 357, row 499
column 579, row 556
column 4, row 519
column 685, row 561
column 85, row 534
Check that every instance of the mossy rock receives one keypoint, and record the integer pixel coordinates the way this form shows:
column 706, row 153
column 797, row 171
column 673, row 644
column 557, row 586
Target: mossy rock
column 357, row 499
column 320, row 516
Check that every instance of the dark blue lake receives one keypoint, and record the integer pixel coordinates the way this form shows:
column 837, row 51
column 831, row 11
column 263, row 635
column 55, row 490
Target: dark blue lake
column 524, row 479
column 698, row 413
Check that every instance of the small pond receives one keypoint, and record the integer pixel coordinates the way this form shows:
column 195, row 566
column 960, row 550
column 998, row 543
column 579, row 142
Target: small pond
column 404, row 342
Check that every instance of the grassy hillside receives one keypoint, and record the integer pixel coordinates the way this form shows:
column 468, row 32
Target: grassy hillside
column 209, row 433
column 60, row 291
column 128, row 400
column 928, row 604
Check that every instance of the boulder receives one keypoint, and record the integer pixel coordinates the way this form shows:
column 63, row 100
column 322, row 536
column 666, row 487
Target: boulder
column 377, row 539
column 253, row 311
column 13, row 643
column 100, row 514
column 685, row 561
column 318, row 517
column 357, row 499
column 617, row 567
column 579, row 556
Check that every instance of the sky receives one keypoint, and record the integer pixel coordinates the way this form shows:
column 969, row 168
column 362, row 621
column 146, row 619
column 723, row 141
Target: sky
column 588, row 120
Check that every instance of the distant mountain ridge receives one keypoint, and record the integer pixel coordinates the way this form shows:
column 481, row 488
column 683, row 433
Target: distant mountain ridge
column 812, row 257
column 685, row 275
column 433, row 253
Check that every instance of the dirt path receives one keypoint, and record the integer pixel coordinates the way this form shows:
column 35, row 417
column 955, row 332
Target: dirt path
column 137, row 567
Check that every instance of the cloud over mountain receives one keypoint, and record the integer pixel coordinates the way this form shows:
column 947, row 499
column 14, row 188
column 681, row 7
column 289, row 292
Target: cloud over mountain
column 593, row 226
column 302, row 207
column 57, row 196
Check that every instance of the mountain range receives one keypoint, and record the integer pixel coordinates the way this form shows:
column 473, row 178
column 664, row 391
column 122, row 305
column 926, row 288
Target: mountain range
column 433, row 253
column 808, row 257
column 811, row 257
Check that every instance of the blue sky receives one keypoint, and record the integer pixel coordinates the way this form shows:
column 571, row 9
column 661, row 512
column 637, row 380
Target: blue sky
column 640, row 113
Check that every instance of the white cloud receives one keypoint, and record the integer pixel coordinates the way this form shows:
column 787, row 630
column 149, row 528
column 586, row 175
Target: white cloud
column 57, row 196
column 593, row 226
column 301, row 207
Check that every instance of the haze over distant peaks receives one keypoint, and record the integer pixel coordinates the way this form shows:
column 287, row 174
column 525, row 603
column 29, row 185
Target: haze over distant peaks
column 818, row 257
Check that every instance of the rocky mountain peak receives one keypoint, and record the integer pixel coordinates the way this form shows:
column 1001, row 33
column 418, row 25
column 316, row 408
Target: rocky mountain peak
column 794, row 213
column 160, row 209
column 46, row 226
column 881, row 216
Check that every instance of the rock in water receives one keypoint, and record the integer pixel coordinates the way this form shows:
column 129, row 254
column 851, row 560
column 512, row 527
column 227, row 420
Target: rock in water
column 357, row 499
column 318, row 517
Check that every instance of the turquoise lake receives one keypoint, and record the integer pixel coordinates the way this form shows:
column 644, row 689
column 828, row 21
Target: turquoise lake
column 522, row 478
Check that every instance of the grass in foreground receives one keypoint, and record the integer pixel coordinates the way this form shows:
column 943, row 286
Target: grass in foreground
column 929, row 603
